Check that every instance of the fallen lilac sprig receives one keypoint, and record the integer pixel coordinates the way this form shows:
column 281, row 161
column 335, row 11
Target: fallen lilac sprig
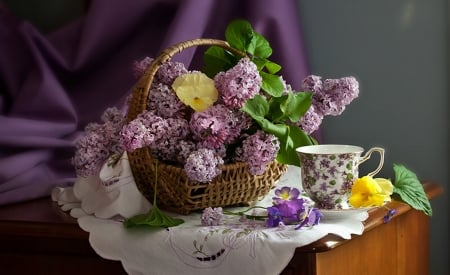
column 287, row 209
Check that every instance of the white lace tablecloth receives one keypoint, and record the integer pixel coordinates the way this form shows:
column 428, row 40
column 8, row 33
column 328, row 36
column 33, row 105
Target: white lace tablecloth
column 101, row 203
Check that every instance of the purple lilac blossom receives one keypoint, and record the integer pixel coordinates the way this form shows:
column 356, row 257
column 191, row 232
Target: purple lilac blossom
column 164, row 102
column 239, row 83
column 185, row 148
column 203, row 165
column 331, row 96
column 169, row 71
column 99, row 143
column 147, row 129
column 167, row 148
column 219, row 125
column 258, row 150
column 212, row 216
column 310, row 121
column 140, row 66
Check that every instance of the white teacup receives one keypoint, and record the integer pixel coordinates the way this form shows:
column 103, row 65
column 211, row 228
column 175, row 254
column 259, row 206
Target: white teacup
column 328, row 172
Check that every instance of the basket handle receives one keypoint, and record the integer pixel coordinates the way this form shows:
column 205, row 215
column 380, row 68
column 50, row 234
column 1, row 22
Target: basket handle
column 141, row 91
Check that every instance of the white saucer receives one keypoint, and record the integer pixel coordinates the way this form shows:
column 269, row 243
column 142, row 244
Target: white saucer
column 355, row 213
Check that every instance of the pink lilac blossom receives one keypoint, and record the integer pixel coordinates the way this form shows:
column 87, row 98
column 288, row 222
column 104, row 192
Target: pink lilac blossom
column 185, row 148
column 218, row 125
column 331, row 96
column 310, row 121
column 140, row 66
column 164, row 102
column 203, row 165
column 239, row 83
column 169, row 71
column 342, row 90
column 258, row 150
column 147, row 129
column 212, row 216
column 208, row 128
column 166, row 73
column 167, row 148
column 99, row 142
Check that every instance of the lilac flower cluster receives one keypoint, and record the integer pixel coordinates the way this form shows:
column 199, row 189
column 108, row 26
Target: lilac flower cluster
column 238, row 84
column 101, row 140
column 198, row 140
column 258, row 150
column 212, row 216
column 330, row 97
column 218, row 125
column 203, row 165
column 162, row 135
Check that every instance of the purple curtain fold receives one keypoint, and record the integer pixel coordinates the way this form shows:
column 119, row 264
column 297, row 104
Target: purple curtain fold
column 52, row 85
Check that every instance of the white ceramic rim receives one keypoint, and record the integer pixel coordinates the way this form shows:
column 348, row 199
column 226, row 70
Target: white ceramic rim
column 330, row 149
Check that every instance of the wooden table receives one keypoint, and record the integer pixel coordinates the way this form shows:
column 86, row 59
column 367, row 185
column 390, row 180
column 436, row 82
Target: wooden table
column 36, row 237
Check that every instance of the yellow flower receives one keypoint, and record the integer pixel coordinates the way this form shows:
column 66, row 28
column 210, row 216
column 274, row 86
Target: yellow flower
column 196, row 90
column 367, row 192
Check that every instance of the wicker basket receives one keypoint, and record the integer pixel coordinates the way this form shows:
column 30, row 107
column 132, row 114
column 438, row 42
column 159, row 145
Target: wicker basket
column 176, row 192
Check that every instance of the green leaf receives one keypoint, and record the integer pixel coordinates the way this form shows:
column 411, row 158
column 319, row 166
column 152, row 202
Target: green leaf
column 257, row 107
column 239, row 34
column 216, row 59
column 272, row 84
column 156, row 218
column 296, row 138
column 260, row 46
column 410, row 190
column 272, row 67
column 296, row 105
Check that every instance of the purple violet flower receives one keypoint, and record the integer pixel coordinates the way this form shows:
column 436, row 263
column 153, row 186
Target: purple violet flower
column 388, row 217
column 273, row 217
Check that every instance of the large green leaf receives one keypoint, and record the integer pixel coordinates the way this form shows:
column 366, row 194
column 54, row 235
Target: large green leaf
column 239, row 34
column 297, row 138
column 260, row 46
column 296, row 105
column 272, row 84
column 257, row 107
column 410, row 190
column 216, row 59
column 155, row 218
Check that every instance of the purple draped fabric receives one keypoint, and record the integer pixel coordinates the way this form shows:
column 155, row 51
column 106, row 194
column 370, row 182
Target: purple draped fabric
column 52, row 85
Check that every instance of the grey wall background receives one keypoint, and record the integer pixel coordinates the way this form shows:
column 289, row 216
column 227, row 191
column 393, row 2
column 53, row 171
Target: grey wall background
column 399, row 52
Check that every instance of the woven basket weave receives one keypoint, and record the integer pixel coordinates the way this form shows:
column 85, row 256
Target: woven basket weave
column 176, row 192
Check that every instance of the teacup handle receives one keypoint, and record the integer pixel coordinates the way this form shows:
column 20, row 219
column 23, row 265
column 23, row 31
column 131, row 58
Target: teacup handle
column 367, row 156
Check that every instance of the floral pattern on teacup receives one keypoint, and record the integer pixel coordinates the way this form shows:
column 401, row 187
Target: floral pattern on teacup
column 328, row 178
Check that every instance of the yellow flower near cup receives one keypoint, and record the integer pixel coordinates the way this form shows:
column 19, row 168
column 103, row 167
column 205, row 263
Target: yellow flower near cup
column 367, row 192
column 196, row 90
